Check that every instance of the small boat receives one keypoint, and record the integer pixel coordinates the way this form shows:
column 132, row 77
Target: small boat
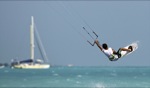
column 1, row 66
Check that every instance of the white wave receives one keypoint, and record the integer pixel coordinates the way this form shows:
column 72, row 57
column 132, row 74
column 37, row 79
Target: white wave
column 113, row 74
column 99, row 85
column 79, row 76
column 68, row 79
column 78, row 82
column 56, row 74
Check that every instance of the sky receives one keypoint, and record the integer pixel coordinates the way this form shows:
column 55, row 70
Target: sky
column 59, row 23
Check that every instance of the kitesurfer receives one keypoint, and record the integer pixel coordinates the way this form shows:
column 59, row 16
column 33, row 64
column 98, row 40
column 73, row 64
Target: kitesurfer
column 110, row 52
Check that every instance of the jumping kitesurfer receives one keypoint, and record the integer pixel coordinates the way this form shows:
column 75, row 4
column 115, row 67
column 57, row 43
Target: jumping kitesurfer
column 110, row 52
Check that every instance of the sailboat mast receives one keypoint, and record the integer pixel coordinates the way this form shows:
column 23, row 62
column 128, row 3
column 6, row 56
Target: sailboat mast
column 32, row 38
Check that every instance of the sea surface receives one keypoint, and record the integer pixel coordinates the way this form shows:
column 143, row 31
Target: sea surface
column 77, row 76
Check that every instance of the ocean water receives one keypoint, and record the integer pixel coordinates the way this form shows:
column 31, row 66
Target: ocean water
column 90, row 77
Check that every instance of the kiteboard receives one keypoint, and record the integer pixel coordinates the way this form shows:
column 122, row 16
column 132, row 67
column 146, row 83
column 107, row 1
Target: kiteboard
column 134, row 46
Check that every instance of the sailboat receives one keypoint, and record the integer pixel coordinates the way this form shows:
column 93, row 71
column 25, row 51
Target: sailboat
column 32, row 63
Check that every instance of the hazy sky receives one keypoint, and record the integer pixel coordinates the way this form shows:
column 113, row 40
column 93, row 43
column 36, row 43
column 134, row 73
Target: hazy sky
column 59, row 23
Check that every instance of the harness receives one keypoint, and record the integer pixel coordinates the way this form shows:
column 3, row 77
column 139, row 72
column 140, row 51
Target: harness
column 113, row 58
column 116, row 56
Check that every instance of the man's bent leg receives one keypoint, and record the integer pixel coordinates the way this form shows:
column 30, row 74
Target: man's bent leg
column 124, row 49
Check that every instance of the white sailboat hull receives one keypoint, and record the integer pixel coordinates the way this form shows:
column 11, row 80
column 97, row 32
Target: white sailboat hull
column 31, row 66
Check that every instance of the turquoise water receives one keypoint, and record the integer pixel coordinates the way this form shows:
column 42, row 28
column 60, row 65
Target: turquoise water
column 91, row 77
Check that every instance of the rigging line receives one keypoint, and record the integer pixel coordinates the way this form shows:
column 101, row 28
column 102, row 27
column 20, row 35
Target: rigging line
column 84, row 23
column 68, row 11
column 74, row 20
column 40, row 45
column 84, row 27
column 73, row 28
column 82, row 19
column 39, row 48
column 88, row 33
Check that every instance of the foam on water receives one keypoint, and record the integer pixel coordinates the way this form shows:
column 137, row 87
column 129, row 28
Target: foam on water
column 79, row 76
column 98, row 85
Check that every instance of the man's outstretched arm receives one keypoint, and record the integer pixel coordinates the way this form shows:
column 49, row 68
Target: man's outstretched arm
column 98, row 44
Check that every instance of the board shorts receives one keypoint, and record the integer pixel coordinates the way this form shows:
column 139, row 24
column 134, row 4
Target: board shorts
column 115, row 56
